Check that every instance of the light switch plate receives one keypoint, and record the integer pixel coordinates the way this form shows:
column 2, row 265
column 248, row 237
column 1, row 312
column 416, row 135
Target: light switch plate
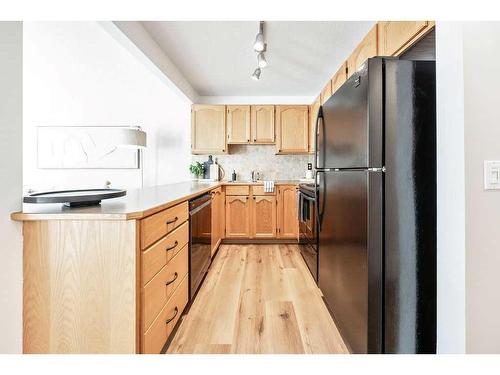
column 491, row 174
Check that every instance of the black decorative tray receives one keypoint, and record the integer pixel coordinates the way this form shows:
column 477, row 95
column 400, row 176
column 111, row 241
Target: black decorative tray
column 75, row 198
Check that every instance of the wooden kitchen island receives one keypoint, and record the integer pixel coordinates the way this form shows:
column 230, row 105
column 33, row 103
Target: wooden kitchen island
column 114, row 278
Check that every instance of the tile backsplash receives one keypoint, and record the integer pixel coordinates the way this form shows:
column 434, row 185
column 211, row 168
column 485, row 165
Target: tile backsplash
column 260, row 158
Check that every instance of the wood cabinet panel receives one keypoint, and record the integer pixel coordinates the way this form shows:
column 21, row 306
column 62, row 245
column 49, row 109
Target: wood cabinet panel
column 366, row 49
column 237, row 217
column 394, row 37
column 158, row 255
column 326, row 92
column 313, row 115
column 292, row 129
column 156, row 293
column 79, row 286
column 238, row 124
column 208, row 129
column 156, row 336
column 238, row 190
column 263, row 217
column 262, row 123
column 156, row 226
column 288, row 224
column 259, row 190
column 339, row 78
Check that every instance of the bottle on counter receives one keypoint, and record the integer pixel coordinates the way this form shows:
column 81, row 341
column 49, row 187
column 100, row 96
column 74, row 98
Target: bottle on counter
column 233, row 176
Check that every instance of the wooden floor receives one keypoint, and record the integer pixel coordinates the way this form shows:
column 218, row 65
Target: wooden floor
column 258, row 299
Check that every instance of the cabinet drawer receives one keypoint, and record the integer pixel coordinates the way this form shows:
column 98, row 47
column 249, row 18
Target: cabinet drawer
column 156, row 336
column 157, row 292
column 259, row 190
column 156, row 226
column 238, row 190
column 158, row 255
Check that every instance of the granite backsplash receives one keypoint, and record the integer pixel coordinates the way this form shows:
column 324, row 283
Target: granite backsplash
column 260, row 158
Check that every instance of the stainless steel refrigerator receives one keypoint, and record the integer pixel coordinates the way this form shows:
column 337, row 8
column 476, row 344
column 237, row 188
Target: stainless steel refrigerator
column 375, row 167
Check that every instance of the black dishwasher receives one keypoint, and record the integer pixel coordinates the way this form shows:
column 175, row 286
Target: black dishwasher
column 200, row 240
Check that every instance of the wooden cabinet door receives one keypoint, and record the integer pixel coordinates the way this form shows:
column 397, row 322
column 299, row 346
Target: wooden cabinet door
column 292, row 129
column 262, row 120
column 208, row 129
column 326, row 92
column 394, row 37
column 238, row 124
column 313, row 114
column 339, row 78
column 218, row 218
column 366, row 49
column 263, row 216
column 288, row 223
column 237, row 217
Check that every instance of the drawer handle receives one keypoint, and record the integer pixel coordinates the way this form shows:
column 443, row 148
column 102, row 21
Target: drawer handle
column 172, row 318
column 172, row 221
column 172, row 247
column 176, row 275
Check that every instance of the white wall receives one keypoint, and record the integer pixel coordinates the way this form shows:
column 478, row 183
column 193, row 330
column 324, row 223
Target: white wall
column 451, row 191
column 255, row 99
column 11, row 158
column 482, row 142
column 76, row 73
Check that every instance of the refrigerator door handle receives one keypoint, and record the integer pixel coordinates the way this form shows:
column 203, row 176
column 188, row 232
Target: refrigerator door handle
column 316, row 135
column 319, row 209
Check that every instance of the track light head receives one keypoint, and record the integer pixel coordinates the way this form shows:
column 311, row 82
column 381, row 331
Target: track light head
column 259, row 44
column 256, row 74
column 261, row 60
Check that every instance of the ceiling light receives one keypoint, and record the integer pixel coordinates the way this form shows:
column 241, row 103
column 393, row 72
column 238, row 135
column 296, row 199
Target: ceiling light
column 261, row 60
column 259, row 45
column 256, row 74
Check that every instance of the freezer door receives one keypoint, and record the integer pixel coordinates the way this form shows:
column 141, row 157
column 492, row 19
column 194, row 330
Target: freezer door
column 350, row 254
column 349, row 135
column 410, row 207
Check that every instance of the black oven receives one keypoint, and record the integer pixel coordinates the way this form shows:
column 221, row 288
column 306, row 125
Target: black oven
column 200, row 241
column 308, row 232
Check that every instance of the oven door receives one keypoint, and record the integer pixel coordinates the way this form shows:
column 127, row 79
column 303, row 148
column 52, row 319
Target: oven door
column 308, row 238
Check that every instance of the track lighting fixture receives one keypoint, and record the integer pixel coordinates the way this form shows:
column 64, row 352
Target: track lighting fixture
column 260, row 47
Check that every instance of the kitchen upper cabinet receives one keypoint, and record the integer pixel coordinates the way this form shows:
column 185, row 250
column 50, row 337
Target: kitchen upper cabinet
column 339, row 78
column 218, row 218
column 394, row 37
column 292, row 129
column 366, row 49
column 263, row 216
column 262, row 121
column 288, row 223
column 326, row 92
column 237, row 217
column 208, row 129
column 238, row 123
column 313, row 115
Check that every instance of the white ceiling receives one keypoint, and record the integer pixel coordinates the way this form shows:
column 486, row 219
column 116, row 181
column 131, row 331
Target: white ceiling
column 217, row 57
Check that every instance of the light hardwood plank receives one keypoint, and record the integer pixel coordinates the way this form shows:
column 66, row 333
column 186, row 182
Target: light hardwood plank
column 258, row 299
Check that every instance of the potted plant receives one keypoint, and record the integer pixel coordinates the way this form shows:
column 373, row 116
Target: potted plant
column 196, row 169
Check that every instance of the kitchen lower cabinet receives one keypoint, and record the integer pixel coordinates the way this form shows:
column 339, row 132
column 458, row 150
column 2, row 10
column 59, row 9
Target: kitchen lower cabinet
column 218, row 218
column 208, row 129
column 263, row 216
column 288, row 223
column 292, row 129
column 237, row 216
